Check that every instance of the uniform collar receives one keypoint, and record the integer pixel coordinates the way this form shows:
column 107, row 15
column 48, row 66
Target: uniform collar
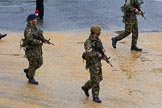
column 29, row 25
column 92, row 38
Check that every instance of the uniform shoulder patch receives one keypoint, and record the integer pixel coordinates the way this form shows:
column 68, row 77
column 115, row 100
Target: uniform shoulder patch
column 87, row 44
column 28, row 30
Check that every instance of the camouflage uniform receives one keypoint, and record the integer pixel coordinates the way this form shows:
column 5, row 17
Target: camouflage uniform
column 94, row 65
column 131, row 23
column 33, row 49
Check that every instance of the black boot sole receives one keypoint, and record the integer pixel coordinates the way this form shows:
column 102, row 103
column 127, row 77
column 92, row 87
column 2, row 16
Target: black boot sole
column 133, row 49
column 97, row 101
column 36, row 83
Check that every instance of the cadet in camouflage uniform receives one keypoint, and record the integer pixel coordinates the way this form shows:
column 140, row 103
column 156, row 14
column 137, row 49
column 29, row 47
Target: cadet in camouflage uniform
column 32, row 47
column 131, row 24
column 93, row 63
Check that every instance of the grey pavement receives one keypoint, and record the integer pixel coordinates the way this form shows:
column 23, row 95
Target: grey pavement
column 66, row 15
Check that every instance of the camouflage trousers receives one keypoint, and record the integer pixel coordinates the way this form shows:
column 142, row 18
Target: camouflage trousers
column 35, row 61
column 95, row 79
column 130, row 28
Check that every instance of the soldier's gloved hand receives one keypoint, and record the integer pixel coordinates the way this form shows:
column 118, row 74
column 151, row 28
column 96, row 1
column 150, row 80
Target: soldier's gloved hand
column 99, row 55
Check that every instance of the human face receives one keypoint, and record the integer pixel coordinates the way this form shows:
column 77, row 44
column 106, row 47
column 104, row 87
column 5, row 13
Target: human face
column 33, row 22
column 96, row 35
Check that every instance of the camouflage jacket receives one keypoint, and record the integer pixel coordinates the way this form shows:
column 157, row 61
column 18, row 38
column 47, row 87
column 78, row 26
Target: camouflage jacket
column 29, row 42
column 129, row 11
column 92, row 58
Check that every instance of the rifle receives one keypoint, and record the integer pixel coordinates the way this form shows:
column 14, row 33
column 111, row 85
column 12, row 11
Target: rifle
column 107, row 60
column 41, row 38
column 142, row 14
column 137, row 6
column 104, row 56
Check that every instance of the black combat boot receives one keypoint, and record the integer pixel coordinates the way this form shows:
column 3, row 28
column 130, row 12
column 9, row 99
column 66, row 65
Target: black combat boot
column 2, row 36
column 26, row 72
column 136, row 48
column 114, row 42
column 85, row 91
column 97, row 99
column 32, row 81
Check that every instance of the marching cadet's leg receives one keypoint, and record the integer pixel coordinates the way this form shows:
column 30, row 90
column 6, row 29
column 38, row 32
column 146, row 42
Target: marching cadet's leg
column 96, row 78
column 122, row 35
column 95, row 93
column 86, row 87
column 135, row 37
column 31, row 70
column 34, row 64
column 26, row 70
column 39, row 62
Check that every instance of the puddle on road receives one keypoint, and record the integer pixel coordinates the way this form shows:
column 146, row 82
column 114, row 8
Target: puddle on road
column 159, row 70
column 11, row 54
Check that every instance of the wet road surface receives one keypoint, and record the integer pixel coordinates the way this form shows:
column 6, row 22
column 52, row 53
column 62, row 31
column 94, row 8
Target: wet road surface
column 134, row 82
column 66, row 15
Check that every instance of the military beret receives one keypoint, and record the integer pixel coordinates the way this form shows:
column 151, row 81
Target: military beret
column 31, row 17
column 95, row 29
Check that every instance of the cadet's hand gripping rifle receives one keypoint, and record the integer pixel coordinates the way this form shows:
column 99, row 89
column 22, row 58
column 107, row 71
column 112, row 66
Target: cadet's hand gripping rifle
column 41, row 38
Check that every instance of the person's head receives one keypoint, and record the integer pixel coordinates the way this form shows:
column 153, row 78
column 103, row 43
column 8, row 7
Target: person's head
column 32, row 19
column 95, row 30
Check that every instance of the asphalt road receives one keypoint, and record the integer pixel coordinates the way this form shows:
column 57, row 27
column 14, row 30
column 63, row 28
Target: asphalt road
column 65, row 15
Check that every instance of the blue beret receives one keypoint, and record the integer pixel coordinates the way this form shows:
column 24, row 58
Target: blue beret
column 31, row 17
